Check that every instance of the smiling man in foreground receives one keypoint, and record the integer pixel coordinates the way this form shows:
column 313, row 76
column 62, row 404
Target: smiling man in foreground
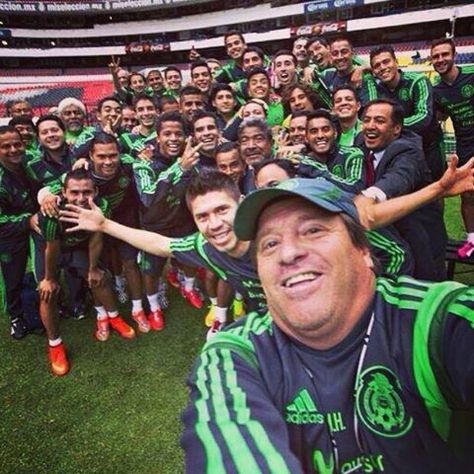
column 347, row 372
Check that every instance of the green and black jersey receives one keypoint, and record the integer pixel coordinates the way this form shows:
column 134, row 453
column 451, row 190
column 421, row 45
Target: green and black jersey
column 17, row 204
column 415, row 94
column 133, row 143
column 396, row 395
column 120, row 191
column 54, row 229
column 41, row 169
column 457, row 101
column 240, row 273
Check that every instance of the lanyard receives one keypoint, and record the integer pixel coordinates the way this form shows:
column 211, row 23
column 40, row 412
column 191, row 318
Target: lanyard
column 360, row 363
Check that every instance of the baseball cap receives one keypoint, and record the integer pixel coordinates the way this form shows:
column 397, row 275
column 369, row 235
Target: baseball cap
column 319, row 191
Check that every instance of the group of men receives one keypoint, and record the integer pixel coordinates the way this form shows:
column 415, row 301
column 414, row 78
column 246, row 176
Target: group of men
column 344, row 171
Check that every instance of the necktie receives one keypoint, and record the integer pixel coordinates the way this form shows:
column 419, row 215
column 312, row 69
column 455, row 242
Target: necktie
column 369, row 168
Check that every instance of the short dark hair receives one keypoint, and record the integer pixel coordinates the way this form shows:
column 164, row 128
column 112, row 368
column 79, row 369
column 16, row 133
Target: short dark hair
column 256, row 122
column 254, row 49
column 78, row 174
column 285, row 52
column 166, row 99
column 137, row 74
column 322, row 113
column 103, row 139
column 218, row 87
column 397, row 114
column 213, row 60
column 317, row 39
column 345, row 87
column 233, row 33
column 200, row 114
column 439, row 41
column 199, row 63
column 189, row 90
column 52, row 117
column 300, row 113
column 102, row 101
column 226, row 147
column 21, row 120
column 339, row 37
column 142, row 96
column 172, row 68
column 171, row 116
column 285, row 165
column 385, row 48
column 17, row 101
column 253, row 71
column 209, row 180
column 153, row 70
column 9, row 129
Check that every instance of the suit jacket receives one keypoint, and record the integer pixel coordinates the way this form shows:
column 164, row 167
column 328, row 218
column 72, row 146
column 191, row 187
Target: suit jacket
column 403, row 167
column 402, row 170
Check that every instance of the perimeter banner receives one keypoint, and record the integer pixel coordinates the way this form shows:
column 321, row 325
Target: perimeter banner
column 89, row 7
column 319, row 28
column 321, row 5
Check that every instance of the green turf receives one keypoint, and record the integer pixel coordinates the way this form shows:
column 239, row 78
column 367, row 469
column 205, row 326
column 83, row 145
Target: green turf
column 118, row 410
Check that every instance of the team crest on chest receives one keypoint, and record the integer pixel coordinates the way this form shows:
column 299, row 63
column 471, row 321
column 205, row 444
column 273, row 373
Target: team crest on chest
column 379, row 403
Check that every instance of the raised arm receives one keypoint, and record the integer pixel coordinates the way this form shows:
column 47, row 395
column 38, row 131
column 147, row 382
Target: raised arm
column 453, row 182
column 93, row 220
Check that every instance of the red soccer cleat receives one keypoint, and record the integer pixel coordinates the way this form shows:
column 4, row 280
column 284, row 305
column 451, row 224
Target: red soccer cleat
column 122, row 327
column 193, row 297
column 140, row 318
column 172, row 277
column 58, row 360
column 156, row 320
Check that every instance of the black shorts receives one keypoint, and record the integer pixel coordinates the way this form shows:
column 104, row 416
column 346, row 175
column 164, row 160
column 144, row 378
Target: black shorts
column 75, row 259
column 125, row 250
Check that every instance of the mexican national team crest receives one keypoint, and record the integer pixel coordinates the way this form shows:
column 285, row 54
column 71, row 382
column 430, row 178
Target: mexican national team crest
column 404, row 93
column 123, row 182
column 467, row 91
column 379, row 403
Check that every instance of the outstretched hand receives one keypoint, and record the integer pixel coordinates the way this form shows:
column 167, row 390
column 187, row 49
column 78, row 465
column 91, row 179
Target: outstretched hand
column 91, row 219
column 457, row 180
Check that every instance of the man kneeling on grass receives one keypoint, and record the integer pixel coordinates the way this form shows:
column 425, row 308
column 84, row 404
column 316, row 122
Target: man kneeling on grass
column 80, row 251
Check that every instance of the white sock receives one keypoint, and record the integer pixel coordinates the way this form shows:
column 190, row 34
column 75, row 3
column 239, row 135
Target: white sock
column 137, row 306
column 55, row 342
column 189, row 283
column 220, row 313
column 112, row 314
column 470, row 237
column 213, row 300
column 153, row 301
column 101, row 313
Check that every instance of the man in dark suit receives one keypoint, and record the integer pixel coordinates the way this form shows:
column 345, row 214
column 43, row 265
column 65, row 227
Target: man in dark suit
column 394, row 166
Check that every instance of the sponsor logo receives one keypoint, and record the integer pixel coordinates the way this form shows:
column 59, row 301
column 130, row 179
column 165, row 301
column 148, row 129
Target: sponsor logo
column 302, row 410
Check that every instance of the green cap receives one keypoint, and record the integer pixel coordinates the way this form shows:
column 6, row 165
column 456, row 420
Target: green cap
column 319, row 191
